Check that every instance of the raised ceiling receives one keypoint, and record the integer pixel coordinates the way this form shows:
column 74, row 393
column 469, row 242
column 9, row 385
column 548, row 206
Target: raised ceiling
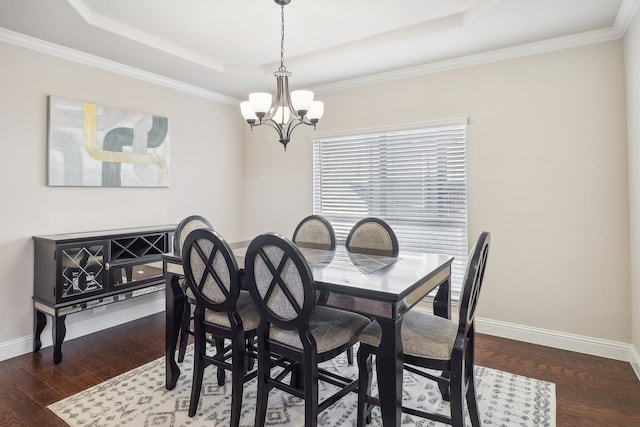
column 232, row 47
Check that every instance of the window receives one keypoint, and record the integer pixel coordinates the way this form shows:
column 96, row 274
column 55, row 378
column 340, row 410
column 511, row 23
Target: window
column 415, row 179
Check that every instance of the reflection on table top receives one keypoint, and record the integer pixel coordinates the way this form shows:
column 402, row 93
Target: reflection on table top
column 371, row 276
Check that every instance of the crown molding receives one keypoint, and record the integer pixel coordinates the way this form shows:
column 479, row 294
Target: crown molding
column 625, row 15
column 53, row 49
column 583, row 39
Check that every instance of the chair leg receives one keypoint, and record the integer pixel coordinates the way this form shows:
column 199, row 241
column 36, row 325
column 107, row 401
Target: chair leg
column 198, row 370
column 456, row 397
column 310, row 384
column 472, row 402
column 470, row 380
column 238, row 371
column 250, row 360
column 296, row 375
column 262, row 391
column 185, row 324
column 350, row 356
column 444, row 386
column 220, row 353
column 364, row 386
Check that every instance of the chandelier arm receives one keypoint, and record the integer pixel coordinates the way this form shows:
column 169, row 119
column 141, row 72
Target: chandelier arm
column 277, row 127
column 291, row 126
column 283, row 138
column 287, row 96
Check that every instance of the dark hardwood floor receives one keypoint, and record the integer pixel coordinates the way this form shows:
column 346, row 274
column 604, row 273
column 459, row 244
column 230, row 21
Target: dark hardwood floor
column 590, row 391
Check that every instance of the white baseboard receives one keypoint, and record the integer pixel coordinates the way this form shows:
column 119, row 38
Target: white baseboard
column 635, row 361
column 562, row 340
column 547, row 337
column 88, row 322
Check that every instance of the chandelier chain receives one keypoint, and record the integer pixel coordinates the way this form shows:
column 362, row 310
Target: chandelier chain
column 282, row 67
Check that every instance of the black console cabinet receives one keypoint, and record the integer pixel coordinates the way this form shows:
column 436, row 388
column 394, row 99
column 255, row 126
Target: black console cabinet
column 80, row 271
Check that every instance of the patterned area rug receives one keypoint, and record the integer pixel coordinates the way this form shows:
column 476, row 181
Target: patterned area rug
column 138, row 398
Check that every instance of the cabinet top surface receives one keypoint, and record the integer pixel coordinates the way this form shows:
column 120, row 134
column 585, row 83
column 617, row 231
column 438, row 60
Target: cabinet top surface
column 106, row 234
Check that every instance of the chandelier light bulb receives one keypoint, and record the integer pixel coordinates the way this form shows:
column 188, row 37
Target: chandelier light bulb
column 260, row 103
column 301, row 101
column 281, row 116
column 316, row 111
column 247, row 112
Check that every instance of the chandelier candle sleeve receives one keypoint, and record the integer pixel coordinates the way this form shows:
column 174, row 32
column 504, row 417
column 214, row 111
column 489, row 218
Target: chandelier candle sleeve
column 289, row 110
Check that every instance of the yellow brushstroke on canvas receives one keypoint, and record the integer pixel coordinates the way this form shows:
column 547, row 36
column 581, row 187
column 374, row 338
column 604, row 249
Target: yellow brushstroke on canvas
column 90, row 130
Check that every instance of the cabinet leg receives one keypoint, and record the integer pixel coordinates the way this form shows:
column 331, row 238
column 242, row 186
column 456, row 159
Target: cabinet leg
column 39, row 322
column 59, row 331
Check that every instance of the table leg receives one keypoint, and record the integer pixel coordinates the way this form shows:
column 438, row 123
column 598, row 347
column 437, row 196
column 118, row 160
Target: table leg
column 174, row 300
column 39, row 322
column 442, row 300
column 389, row 367
column 59, row 331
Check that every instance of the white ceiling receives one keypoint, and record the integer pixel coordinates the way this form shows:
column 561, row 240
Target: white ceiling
column 232, row 47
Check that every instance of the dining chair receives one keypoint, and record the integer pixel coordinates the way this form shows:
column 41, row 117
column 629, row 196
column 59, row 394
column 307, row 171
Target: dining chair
column 186, row 226
column 315, row 232
column 372, row 236
column 295, row 334
column 223, row 310
column 436, row 343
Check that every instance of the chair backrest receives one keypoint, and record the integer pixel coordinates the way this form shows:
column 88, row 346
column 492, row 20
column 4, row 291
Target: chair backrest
column 186, row 226
column 211, row 270
column 473, row 278
column 280, row 281
column 372, row 236
column 315, row 232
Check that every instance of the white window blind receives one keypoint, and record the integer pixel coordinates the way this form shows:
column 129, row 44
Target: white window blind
column 414, row 179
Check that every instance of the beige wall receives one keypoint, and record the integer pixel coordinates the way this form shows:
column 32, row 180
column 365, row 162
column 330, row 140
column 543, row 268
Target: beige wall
column 547, row 162
column 632, row 62
column 547, row 176
column 206, row 168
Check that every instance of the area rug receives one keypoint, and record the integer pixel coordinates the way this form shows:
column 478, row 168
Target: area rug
column 139, row 398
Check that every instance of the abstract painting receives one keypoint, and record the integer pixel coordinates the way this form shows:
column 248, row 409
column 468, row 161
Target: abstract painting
column 94, row 145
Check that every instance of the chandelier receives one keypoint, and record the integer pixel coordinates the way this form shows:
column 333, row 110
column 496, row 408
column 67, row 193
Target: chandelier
column 289, row 110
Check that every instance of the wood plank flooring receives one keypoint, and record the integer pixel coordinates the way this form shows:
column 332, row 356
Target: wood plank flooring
column 590, row 391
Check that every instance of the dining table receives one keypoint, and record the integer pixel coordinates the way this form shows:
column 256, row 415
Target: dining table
column 380, row 287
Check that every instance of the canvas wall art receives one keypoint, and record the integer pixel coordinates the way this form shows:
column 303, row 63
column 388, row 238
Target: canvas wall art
column 94, row 145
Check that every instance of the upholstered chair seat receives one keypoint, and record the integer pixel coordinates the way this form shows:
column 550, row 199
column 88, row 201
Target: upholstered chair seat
column 331, row 328
column 438, row 344
column 245, row 307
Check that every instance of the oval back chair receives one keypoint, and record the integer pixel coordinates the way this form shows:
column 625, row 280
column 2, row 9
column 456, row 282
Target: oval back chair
column 294, row 333
column 372, row 236
column 435, row 343
column 184, row 227
column 315, row 232
column 222, row 310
